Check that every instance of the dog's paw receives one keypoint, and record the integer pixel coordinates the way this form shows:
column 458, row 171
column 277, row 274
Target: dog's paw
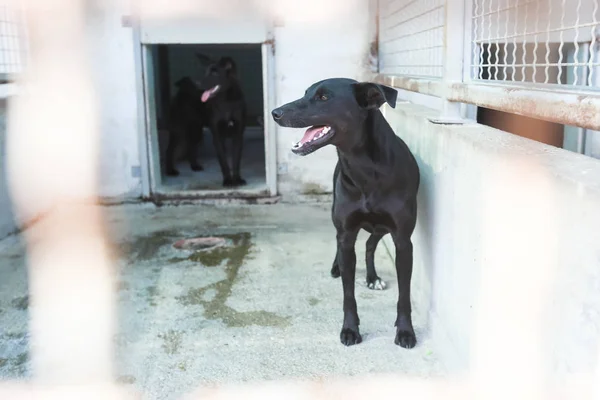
column 197, row 167
column 335, row 271
column 227, row 182
column 405, row 339
column 350, row 337
column 238, row 181
column 376, row 284
column 172, row 172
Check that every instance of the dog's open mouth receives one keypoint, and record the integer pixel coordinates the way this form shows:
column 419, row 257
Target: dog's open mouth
column 209, row 93
column 314, row 138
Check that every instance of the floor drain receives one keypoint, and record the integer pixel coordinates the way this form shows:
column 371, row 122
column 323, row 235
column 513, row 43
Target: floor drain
column 202, row 243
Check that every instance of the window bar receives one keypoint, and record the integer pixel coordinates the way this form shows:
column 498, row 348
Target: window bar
column 547, row 69
column 524, row 57
column 489, row 42
column 476, row 47
column 535, row 38
column 482, row 44
column 514, row 49
column 497, row 53
column 562, row 42
column 505, row 41
column 576, row 54
column 593, row 45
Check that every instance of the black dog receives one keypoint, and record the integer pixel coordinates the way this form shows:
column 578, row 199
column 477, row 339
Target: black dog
column 185, row 124
column 375, row 185
column 226, row 114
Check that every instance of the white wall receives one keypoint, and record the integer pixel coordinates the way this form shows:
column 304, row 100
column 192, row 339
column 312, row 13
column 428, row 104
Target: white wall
column 112, row 57
column 308, row 49
column 313, row 41
column 504, row 221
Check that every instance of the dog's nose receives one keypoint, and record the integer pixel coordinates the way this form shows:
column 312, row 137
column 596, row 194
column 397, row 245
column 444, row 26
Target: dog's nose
column 277, row 113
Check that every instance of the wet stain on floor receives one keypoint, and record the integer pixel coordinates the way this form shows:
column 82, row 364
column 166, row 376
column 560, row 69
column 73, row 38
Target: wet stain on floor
column 146, row 248
column 233, row 257
column 20, row 303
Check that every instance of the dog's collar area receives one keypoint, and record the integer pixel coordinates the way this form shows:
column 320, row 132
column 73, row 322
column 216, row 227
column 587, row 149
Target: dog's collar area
column 313, row 137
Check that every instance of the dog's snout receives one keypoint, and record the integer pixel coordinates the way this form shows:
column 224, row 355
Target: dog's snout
column 277, row 113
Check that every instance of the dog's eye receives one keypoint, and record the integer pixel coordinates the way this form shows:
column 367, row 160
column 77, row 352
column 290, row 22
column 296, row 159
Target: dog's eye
column 323, row 97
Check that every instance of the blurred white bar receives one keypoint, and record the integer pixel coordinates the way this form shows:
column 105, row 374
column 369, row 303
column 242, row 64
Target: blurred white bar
column 52, row 169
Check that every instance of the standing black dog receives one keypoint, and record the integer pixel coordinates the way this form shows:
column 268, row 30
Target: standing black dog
column 375, row 185
column 185, row 123
column 226, row 109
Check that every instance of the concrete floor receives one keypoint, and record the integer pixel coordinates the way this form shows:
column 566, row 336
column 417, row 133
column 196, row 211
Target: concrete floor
column 253, row 168
column 262, row 308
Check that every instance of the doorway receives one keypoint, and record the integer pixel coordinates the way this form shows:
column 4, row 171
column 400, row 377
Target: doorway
column 165, row 65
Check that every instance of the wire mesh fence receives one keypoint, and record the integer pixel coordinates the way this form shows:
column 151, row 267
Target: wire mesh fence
column 12, row 40
column 412, row 37
column 536, row 41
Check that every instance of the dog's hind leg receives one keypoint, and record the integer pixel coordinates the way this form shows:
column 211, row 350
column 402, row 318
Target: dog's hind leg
column 219, row 143
column 171, row 149
column 238, row 145
column 193, row 140
column 373, row 281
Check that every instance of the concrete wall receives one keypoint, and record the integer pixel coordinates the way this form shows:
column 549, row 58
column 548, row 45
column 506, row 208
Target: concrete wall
column 310, row 47
column 112, row 57
column 313, row 41
column 504, row 221
column 7, row 224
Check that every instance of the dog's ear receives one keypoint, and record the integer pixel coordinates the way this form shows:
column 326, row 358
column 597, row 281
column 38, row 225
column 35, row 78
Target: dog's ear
column 229, row 66
column 372, row 95
column 204, row 59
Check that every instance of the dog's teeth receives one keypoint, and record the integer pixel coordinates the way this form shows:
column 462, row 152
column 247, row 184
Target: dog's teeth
column 326, row 129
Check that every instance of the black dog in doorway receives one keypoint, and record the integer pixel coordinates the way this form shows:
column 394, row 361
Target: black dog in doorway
column 375, row 185
column 226, row 113
column 185, row 123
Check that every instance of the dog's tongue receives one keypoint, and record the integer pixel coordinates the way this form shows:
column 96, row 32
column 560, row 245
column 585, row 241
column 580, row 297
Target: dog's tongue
column 207, row 93
column 311, row 133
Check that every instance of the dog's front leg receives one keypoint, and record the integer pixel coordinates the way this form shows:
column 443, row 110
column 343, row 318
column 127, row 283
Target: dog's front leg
column 405, row 334
column 347, row 264
column 219, row 142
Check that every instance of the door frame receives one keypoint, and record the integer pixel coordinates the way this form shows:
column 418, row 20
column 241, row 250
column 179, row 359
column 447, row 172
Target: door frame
column 148, row 132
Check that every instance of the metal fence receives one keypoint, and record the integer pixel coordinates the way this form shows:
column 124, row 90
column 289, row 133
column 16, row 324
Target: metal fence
column 543, row 41
column 12, row 41
column 412, row 37
column 537, row 47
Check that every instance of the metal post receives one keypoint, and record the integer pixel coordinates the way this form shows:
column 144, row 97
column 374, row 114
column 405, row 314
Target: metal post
column 454, row 37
